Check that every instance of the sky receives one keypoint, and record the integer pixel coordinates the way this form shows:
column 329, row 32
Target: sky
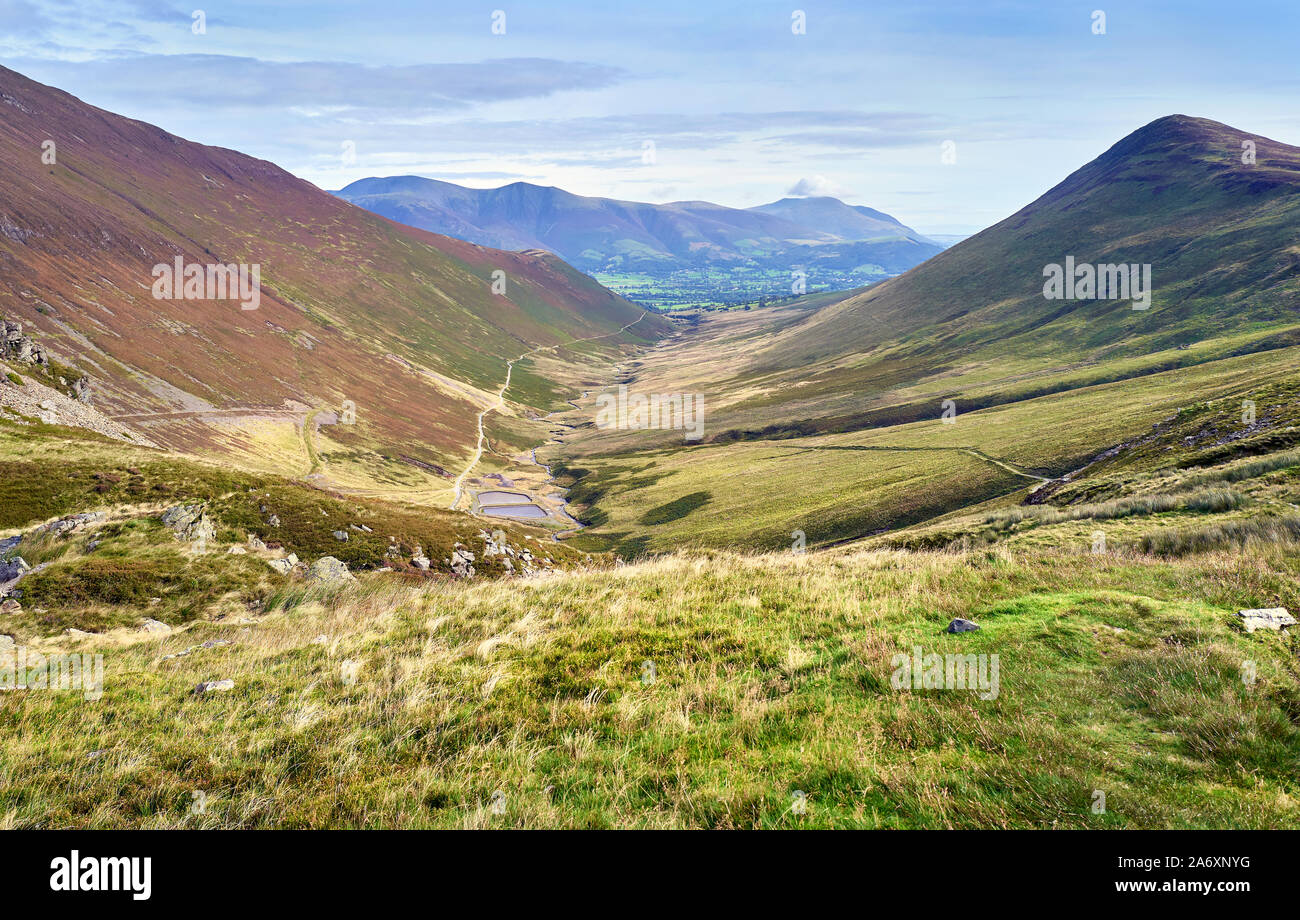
column 947, row 114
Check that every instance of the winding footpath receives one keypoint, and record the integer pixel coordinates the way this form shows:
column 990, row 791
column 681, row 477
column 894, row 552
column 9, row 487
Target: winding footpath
column 501, row 400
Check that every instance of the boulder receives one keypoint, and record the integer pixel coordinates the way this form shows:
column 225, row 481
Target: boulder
column 341, row 536
column 328, row 570
column 960, row 626
column 6, row 643
column 1275, row 618
column 9, row 605
column 190, row 522
column 151, row 625
column 215, row 686
column 283, row 566
column 13, row 569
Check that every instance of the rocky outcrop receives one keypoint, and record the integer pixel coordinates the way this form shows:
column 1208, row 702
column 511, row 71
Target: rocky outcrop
column 496, row 544
column 66, row 526
column 18, row 347
column 13, row 569
column 34, row 400
column 190, row 523
column 461, row 562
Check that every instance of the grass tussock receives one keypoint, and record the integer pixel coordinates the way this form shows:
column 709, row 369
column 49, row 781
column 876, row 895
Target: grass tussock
column 1233, row 534
column 1208, row 501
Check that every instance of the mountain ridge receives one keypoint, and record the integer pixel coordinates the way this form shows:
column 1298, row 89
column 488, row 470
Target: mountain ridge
column 607, row 236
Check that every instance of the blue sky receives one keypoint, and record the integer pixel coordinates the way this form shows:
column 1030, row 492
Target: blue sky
column 739, row 109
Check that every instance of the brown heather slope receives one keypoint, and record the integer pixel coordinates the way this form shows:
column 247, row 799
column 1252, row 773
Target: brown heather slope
column 353, row 307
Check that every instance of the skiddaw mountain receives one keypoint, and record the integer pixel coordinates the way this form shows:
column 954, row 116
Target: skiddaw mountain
column 664, row 254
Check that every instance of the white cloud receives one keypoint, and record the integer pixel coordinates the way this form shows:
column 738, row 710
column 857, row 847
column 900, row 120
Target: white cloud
column 818, row 187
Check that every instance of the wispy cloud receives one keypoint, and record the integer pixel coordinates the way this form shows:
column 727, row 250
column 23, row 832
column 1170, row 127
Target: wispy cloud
column 227, row 81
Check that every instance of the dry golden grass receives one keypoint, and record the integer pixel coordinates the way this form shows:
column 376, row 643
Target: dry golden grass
column 698, row 690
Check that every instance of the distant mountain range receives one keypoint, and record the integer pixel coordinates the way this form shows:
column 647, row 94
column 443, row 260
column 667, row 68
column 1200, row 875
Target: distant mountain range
column 837, row 245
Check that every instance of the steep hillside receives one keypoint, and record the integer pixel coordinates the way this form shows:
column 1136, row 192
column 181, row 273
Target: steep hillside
column 1220, row 236
column 354, row 311
column 1222, row 240
column 958, row 383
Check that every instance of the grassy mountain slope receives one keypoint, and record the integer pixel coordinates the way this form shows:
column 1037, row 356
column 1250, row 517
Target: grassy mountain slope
column 973, row 323
column 829, row 419
column 403, row 323
column 1219, row 235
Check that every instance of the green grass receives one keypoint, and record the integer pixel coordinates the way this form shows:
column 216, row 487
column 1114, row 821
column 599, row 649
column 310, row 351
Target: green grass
column 138, row 560
column 770, row 675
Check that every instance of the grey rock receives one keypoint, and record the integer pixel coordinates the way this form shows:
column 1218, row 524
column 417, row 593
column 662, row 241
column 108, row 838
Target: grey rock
column 211, row 643
column 960, row 626
column 154, row 626
column 1275, row 618
column 6, row 643
column 215, row 686
column 9, row 605
column 328, row 570
column 283, row 566
column 13, row 569
column 190, row 522
column 341, row 536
